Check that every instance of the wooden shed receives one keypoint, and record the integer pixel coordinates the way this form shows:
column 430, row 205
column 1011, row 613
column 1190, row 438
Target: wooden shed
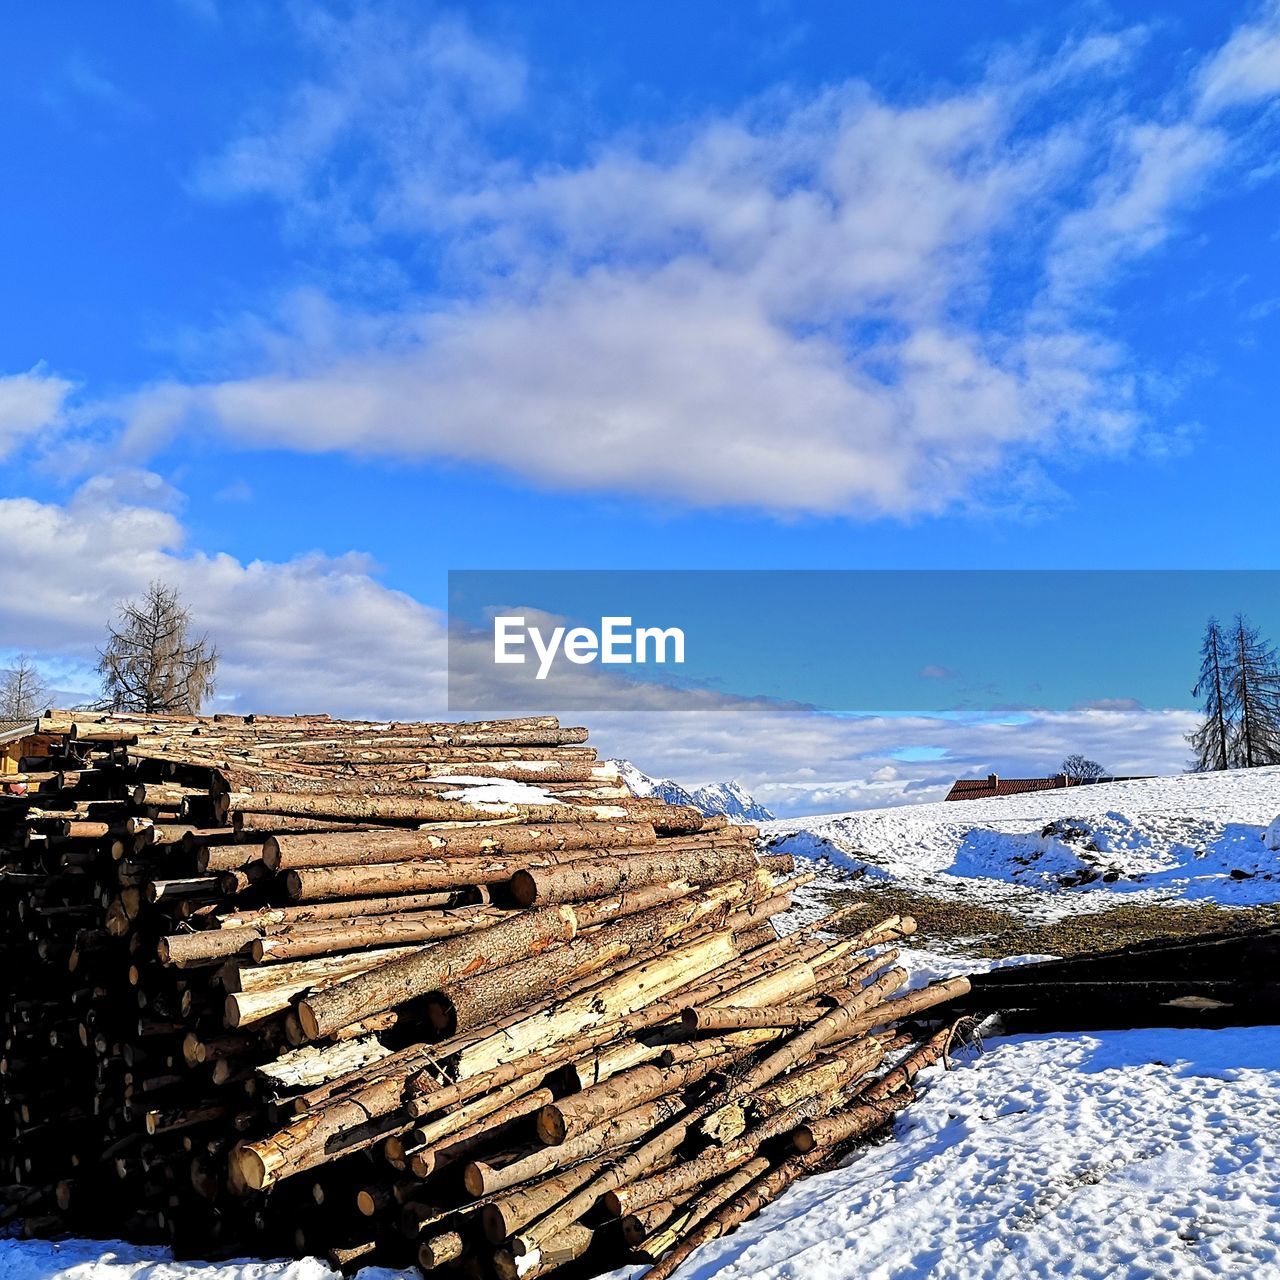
column 18, row 738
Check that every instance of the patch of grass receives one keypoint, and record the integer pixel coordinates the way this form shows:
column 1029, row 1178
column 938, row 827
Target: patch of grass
column 992, row 932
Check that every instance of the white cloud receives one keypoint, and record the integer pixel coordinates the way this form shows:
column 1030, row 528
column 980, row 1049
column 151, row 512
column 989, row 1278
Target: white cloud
column 779, row 314
column 797, row 761
column 1246, row 70
column 1153, row 171
column 796, row 307
column 314, row 633
column 31, row 407
column 395, row 99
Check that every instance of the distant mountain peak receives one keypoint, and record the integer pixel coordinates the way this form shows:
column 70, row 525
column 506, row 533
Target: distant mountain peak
column 727, row 798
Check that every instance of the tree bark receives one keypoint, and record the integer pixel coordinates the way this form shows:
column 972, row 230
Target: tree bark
column 285, row 852
column 528, row 933
column 584, row 880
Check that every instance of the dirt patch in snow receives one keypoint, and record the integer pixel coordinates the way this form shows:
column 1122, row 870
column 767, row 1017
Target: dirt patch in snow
column 990, row 931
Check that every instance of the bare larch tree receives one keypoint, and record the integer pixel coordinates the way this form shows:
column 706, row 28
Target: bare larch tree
column 150, row 662
column 1254, row 683
column 22, row 692
column 1081, row 769
column 1211, row 742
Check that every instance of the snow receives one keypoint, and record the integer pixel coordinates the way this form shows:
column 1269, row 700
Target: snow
column 1113, row 1156
column 488, row 792
column 1192, row 837
column 113, row 1260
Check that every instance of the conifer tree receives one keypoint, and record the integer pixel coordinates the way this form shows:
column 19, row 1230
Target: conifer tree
column 1212, row 741
column 1254, row 684
column 150, row 663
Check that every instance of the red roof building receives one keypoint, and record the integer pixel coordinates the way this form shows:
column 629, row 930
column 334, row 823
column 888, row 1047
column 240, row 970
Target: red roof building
column 994, row 785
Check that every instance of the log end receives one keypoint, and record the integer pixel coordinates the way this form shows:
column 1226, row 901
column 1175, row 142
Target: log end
column 473, row 1178
column 271, row 853
column 440, row 1249
column 308, row 1021
column 524, row 888
column 493, row 1224
column 293, row 885
column 551, row 1126
column 802, row 1139
column 231, row 1011
column 441, row 1013
column 249, row 1167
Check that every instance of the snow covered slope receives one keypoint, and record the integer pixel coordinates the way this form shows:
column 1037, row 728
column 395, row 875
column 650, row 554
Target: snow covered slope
column 726, row 798
column 1189, row 837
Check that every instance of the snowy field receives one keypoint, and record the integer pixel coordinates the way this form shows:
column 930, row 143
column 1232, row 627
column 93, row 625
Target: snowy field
column 1123, row 1155
column 1048, row 854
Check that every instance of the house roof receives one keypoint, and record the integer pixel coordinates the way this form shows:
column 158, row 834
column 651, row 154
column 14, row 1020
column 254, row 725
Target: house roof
column 994, row 785
column 12, row 730
column 983, row 788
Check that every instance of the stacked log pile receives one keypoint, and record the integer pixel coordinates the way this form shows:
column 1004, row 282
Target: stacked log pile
column 434, row 992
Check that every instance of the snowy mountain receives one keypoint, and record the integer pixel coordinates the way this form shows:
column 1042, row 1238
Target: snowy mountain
column 730, row 799
column 726, row 798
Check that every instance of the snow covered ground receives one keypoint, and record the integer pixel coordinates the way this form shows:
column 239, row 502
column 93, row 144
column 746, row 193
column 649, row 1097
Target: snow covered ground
column 1191, row 837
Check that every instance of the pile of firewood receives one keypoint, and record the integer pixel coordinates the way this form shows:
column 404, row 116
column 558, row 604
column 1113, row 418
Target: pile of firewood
column 444, row 992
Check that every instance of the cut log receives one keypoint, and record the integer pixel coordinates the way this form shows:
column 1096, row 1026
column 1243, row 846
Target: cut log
column 286, row 852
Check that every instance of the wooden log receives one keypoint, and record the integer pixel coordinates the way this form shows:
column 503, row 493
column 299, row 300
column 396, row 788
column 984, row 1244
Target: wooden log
column 478, row 1136
column 271, row 919
column 321, row 939
column 845, row 1126
column 439, row 1249
column 655, row 1242
column 245, row 1007
column 213, row 859
column 747, row 1202
column 286, row 852
column 482, row 1178
column 611, row 1002
column 827, row 1076
column 584, row 879
column 474, row 1000
column 906, row 1006
column 310, row 1065
column 505, row 1214
column 933, row 1050
column 206, row 947
column 570, row 1117
column 526, row 934
column 570, row 1244
column 731, row 1018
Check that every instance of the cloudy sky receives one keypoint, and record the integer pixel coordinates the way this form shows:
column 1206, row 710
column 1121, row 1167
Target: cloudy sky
column 308, row 304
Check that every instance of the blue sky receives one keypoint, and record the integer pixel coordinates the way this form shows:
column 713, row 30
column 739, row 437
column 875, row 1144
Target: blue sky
column 308, row 304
